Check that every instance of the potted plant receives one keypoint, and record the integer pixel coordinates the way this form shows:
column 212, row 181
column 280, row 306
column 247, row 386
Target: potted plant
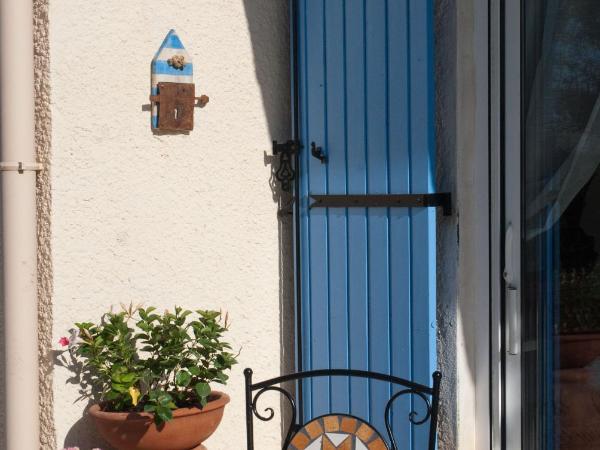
column 150, row 375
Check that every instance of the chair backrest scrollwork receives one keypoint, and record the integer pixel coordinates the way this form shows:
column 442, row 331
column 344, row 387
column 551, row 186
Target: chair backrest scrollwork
column 297, row 438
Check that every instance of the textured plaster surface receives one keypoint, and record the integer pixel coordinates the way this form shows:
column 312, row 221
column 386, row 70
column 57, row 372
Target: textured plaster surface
column 447, row 227
column 168, row 220
column 44, row 202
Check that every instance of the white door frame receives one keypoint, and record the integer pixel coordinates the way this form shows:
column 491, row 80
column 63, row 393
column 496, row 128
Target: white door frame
column 496, row 225
column 488, row 142
column 505, row 223
column 512, row 223
column 473, row 369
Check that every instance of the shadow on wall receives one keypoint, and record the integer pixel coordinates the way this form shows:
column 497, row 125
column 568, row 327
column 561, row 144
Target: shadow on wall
column 83, row 434
column 268, row 24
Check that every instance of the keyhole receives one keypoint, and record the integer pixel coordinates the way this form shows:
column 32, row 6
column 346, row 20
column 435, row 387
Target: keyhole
column 176, row 113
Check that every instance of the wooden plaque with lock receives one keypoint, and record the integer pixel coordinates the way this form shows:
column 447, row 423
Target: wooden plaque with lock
column 172, row 89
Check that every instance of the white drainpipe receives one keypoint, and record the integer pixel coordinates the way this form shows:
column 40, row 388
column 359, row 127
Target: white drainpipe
column 19, row 233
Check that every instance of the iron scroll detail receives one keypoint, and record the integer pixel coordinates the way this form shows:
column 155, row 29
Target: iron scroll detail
column 411, row 416
column 286, row 172
column 271, row 413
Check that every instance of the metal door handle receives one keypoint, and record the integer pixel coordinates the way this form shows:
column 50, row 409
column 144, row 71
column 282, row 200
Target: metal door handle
column 512, row 304
column 317, row 152
column 513, row 320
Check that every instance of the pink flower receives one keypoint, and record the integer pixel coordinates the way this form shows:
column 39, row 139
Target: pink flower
column 64, row 341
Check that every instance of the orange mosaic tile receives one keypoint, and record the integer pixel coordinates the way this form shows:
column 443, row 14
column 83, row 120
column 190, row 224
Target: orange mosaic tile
column 314, row 429
column 332, row 423
column 377, row 444
column 300, row 441
column 349, row 425
column 365, row 432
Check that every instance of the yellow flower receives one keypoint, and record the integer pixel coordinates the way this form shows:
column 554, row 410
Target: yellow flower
column 135, row 395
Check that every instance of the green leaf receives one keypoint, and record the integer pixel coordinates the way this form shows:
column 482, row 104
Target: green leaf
column 163, row 415
column 222, row 378
column 183, row 378
column 203, row 390
column 112, row 395
column 84, row 325
column 126, row 378
column 165, row 399
column 120, row 388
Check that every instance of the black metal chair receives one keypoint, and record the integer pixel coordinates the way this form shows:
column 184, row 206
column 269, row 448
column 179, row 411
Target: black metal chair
column 299, row 434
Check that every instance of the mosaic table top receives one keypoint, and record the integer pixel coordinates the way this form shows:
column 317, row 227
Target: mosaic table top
column 337, row 431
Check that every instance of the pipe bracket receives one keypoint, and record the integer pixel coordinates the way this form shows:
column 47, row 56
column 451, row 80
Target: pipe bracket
column 21, row 166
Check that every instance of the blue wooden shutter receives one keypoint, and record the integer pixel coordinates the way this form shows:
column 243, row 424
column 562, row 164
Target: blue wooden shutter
column 367, row 275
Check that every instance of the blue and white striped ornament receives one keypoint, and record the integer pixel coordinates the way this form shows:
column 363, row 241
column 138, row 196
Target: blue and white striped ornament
column 162, row 71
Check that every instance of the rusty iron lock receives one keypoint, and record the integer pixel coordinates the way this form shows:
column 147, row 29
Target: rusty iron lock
column 176, row 102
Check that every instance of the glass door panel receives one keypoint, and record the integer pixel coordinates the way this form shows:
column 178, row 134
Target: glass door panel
column 560, row 288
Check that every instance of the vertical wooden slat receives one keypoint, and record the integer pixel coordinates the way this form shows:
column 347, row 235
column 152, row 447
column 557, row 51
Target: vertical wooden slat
column 319, row 245
column 399, row 230
column 335, row 148
column 304, row 212
column 423, row 220
column 357, row 221
column 377, row 169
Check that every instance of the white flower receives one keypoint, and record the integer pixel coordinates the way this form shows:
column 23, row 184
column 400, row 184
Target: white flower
column 73, row 335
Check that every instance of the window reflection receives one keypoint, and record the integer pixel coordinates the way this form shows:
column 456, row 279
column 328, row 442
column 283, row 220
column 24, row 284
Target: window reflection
column 561, row 301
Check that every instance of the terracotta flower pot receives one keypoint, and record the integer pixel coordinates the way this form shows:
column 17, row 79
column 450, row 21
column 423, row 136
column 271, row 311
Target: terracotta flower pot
column 578, row 350
column 188, row 429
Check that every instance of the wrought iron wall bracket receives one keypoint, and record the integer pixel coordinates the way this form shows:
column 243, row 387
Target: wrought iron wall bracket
column 443, row 200
column 286, row 172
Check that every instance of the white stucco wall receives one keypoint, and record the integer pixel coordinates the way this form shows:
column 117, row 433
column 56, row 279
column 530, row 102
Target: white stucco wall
column 173, row 219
